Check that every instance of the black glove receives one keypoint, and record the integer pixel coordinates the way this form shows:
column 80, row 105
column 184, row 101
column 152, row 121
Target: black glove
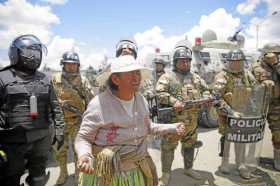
column 58, row 140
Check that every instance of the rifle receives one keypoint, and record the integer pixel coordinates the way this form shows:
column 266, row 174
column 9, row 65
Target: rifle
column 165, row 114
column 67, row 106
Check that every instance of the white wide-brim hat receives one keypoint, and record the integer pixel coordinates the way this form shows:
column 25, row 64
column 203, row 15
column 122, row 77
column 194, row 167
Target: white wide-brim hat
column 125, row 63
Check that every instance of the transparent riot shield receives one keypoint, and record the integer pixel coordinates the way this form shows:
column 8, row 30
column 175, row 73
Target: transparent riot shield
column 245, row 129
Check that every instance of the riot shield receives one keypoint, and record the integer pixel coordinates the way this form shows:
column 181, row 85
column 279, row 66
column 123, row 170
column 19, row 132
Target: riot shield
column 245, row 129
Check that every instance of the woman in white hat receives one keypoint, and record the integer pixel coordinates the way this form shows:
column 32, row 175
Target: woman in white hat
column 112, row 141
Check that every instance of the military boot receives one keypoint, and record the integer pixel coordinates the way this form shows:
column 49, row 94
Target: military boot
column 277, row 159
column 224, row 167
column 193, row 174
column 37, row 181
column 164, row 180
column 188, row 154
column 62, row 177
column 244, row 172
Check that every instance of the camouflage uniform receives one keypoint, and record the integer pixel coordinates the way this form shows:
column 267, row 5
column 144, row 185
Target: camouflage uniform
column 172, row 87
column 270, row 75
column 77, row 95
column 233, row 86
column 224, row 83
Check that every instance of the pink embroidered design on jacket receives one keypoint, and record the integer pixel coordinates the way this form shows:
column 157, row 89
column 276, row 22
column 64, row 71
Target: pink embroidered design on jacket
column 112, row 133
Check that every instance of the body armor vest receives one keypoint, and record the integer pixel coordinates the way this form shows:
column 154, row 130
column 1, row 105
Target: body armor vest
column 16, row 100
column 66, row 93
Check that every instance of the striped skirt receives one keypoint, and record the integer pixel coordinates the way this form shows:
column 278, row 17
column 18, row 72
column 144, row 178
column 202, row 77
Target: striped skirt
column 132, row 177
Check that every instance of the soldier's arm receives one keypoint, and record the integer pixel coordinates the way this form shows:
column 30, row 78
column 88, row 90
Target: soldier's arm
column 204, row 88
column 258, row 73
column 219, row 87
column 162, row 89
column 276, row 67
column 147, row 89
column 2, row 118
column 56, row 112
column 87, row 94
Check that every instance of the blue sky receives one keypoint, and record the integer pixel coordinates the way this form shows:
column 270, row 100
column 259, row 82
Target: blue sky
column 104, row 22
column 94, row 27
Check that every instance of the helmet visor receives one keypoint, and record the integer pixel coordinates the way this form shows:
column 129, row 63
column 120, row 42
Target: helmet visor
column 30, row 42
column 127, row 44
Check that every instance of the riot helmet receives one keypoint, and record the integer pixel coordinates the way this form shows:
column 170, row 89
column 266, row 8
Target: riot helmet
column 159, row 64
column 270, row 58
column 126, row 47
column 236, row 59
column 26, row 52
column 181, row 59
column 71, row 68
column 182, row 52
column 70, row 57
column 270, row 48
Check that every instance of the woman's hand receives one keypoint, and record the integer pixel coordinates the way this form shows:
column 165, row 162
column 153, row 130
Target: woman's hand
column 84, row 164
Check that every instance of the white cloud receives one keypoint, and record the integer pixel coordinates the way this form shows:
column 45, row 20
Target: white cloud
column 57, row 2
column 59, row 45
column 56, row 48
column 272, row 5
column 153, row 38
column 223, row 23
column 247, row 7
column 269, row 30
column 95, row 59
column 21, row 17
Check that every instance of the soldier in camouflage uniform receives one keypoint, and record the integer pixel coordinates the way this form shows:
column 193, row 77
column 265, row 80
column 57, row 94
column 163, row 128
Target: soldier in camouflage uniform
column 173, row 88
column 267, row 71
column 148, row 88
column 73, row 96
column 235, row 75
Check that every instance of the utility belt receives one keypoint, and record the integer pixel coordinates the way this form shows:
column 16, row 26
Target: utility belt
column 19, row 135
column 108, row 163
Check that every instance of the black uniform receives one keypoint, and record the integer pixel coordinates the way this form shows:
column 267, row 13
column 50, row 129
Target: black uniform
column 26, row 139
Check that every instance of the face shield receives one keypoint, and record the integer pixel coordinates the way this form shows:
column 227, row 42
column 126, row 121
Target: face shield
column 30, row 51
column 126, row 48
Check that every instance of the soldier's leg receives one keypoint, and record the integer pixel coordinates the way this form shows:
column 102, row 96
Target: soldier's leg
column 225, row 148
column 167, row 157
column 187, row 151
column 61, row 157
column 37, row 162
column 274, row 125
column 240, row 150
column 14, row 167
column 72, row 136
